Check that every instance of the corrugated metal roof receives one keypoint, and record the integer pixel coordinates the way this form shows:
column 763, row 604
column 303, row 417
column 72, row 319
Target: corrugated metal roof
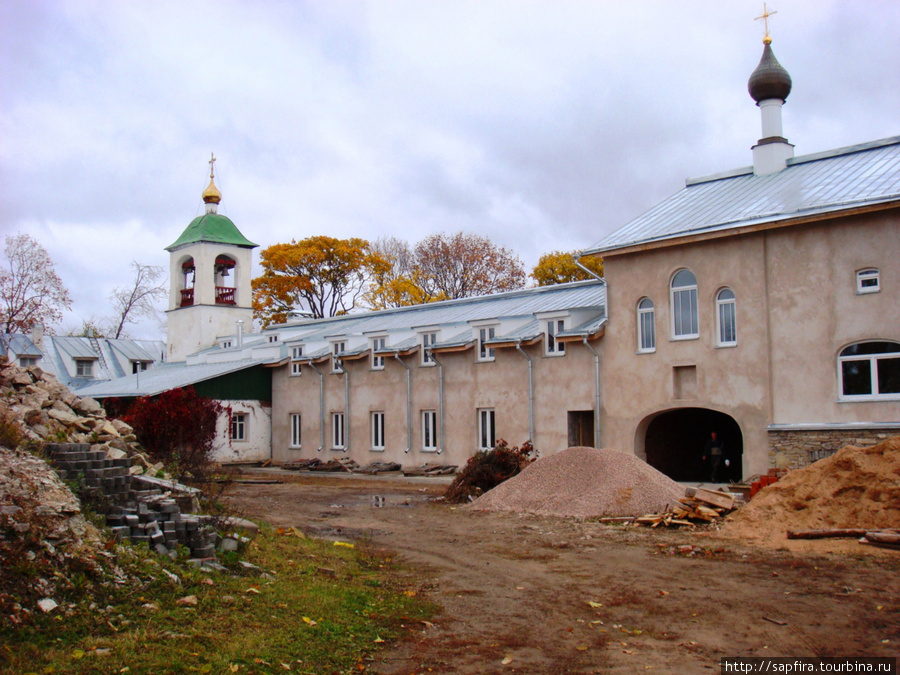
column 131, row 350
column 163, row 378
column 528, row 331
column 587, row 328
column 813, row 184
column 457, row 340
column 21, row 345
column 76, row 347
column 512, row 303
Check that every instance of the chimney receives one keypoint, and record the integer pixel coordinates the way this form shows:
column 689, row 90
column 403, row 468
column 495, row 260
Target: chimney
column 37, row 335
column 770, row 85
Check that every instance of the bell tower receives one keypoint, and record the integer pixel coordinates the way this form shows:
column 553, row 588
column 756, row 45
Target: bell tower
column 209, row 279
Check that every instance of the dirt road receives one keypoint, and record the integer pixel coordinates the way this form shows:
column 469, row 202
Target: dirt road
column 526, row 594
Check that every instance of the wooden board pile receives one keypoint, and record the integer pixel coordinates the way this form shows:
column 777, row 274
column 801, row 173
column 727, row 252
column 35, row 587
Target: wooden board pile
column 697, row 506
column 380, row 467
column 888, row 538
column 429, row 469
column 316, row 464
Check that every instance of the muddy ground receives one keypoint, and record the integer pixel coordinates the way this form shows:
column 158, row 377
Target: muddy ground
column 527, row 594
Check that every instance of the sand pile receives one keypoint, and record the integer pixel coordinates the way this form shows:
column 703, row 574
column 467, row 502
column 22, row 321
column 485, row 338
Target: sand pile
column 583, row 483
column 854, row 488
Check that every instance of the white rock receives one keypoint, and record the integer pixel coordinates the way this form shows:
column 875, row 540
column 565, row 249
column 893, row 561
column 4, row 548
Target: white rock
column 47, row 605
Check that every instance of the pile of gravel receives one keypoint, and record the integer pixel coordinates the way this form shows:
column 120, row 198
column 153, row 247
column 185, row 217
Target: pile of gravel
column 582, row 483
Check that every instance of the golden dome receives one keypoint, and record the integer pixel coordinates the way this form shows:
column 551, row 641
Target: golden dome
column 211, row 194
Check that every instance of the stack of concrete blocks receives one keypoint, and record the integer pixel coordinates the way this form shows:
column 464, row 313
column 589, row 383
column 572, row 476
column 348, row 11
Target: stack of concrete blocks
column 136, row 515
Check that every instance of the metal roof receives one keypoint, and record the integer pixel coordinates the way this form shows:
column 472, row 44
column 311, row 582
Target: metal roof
column 131, row 350
column 21, row 345
column 212, row 227
column 76, row 347
column 165, row 377
column 512, row 303
column 821, row 183
column 528, row 331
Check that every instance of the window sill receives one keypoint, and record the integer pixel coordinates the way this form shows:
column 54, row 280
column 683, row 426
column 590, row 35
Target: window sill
column 376, row 449
column 554, row 355
column 646, row 351
column 430, row 450
column 427, row 365
column 338, row 449
column 484, row 360
column 869, row 398
column 727, row 345
column 684, row 338
column 295, row 447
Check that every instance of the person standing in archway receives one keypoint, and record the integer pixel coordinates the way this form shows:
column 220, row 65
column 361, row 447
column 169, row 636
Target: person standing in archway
column 714, row 451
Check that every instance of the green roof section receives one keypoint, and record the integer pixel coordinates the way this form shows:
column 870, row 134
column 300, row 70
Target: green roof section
column 214, row 228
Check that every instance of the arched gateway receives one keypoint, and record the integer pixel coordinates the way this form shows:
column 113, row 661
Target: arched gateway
column 674, row 442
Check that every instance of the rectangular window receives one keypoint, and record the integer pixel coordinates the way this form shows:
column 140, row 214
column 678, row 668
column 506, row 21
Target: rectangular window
column 428, row 340
column 378, row 431
column 429, row 430
column 226, row 344
column 485, row 353
column 727, row 324
column 337, row 364
column 554, row 328
column 296, row 430
column 377, row 361
column 296, row 364
column 28, row 361
column 684, row 305
column 238, row 427
column 867, row 281
column 138, row 366
column 84, row 368
column 337, row 431
column 487, row 432
column 273, row 338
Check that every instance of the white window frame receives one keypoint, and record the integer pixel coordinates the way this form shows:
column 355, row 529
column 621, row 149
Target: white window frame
column 429, row 431
column 296, row 363
column 84, row 367
column 487, row 429
column 873, row 361
column 646, row 326
column 139, row 366
column 377, row 426
column 552, row 346
column 338, row 431
column 239, row 426
column 378, row 360
column 337, row 364
column 724, row 321
column 226, row 344
column 28, row 361
column 678, row 295
column 868, row 281
column 485, row 333
column 428, row 340
column 296, row 420
column 273, row 338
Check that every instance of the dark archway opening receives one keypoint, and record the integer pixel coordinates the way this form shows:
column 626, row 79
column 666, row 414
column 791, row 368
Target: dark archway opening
column 676, row 439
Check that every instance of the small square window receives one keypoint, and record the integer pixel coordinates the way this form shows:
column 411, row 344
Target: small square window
column 84, row 368
column 28, row 361
column 868, row 281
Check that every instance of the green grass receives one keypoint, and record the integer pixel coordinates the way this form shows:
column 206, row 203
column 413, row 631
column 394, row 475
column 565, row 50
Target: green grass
column 286, row 617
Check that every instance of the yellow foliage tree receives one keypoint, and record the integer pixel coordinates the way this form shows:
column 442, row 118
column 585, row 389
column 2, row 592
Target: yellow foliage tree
column 558, row 267
column 315, row 277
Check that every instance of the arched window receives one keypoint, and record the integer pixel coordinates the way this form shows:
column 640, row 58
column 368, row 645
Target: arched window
column 646, row 317
column 188, row 277
column 870, row 370
column 685, row 324
column 725, row 319
column 225, row 280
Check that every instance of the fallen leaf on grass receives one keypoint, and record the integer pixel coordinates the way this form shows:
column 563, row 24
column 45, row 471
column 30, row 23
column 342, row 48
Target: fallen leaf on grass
column 506, row 661
column 252, row 590
column 260, row 661
column 345, row 544
column 379, row 640
column 427, row 624
column 187, row 601
column 207, row 581
column 234, row 667
column 628, row 651
column 306, row 619
column 581, row 648
column 595, row 604
column 663, row 593
column 410, row 594
column 286, row 666
column 77, row 654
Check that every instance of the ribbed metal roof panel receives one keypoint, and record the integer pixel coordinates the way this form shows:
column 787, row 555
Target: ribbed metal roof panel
column 163, row 378
column 76, row 347
column 813, row 184
column 21, row 345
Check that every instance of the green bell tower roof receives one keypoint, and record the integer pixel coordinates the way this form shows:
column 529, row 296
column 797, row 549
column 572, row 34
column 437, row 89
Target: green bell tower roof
column 212, row 227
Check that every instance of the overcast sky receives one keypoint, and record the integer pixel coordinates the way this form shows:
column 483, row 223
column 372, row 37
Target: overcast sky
column 543, row 125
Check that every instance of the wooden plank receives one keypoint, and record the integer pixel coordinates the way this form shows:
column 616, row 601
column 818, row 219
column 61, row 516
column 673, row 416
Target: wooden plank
column 826, row 534
column 712, row 497
column 883, row 537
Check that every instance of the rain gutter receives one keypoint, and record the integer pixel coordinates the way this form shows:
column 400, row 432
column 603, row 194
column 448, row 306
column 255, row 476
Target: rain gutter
column 530, row 392
column 408, row 402
column 321, row 406
column 596, row 392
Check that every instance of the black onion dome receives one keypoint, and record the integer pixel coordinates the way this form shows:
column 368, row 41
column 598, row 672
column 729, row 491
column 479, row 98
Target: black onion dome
column 770, row 79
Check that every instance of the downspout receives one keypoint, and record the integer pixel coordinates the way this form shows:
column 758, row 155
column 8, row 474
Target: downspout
column 321, row 406
column 440, row 399
column 408, row 403
column 346, row 409
column 530, row 393
column 596, row 391
column 576, row 258
column 240, row 333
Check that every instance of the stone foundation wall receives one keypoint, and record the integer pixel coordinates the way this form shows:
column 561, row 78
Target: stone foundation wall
column 794, row 449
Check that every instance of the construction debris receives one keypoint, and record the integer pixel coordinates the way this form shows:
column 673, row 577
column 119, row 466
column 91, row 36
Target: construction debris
column 697, row 506
column 428, row 469
column 380, row 467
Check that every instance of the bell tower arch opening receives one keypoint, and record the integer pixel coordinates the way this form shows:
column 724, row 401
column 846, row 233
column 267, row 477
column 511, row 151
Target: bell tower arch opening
column 674, row 443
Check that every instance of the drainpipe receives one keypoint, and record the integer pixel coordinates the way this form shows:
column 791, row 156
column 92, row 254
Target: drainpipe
column 596, row 391
column 408, row 403
column 346, row 409
column 240, row 333
column 576, row 259
column 530, row 393
column 440, row 399
column 321, row 406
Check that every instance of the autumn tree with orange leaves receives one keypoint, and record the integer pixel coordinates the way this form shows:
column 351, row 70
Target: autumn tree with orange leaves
column 443, row 267
column 316, row 277
column 558, row 267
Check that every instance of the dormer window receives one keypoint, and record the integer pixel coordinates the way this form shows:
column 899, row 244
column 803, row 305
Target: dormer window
column 428, row 341
column 84, row 367
column 868, row 281
column 28, row 361
column 273, row 338
column 337, row 364
column 296, row 364
column 377, row 359
column 226, row 344
column 139, row 366
column 553, row 346
column 485, row 353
